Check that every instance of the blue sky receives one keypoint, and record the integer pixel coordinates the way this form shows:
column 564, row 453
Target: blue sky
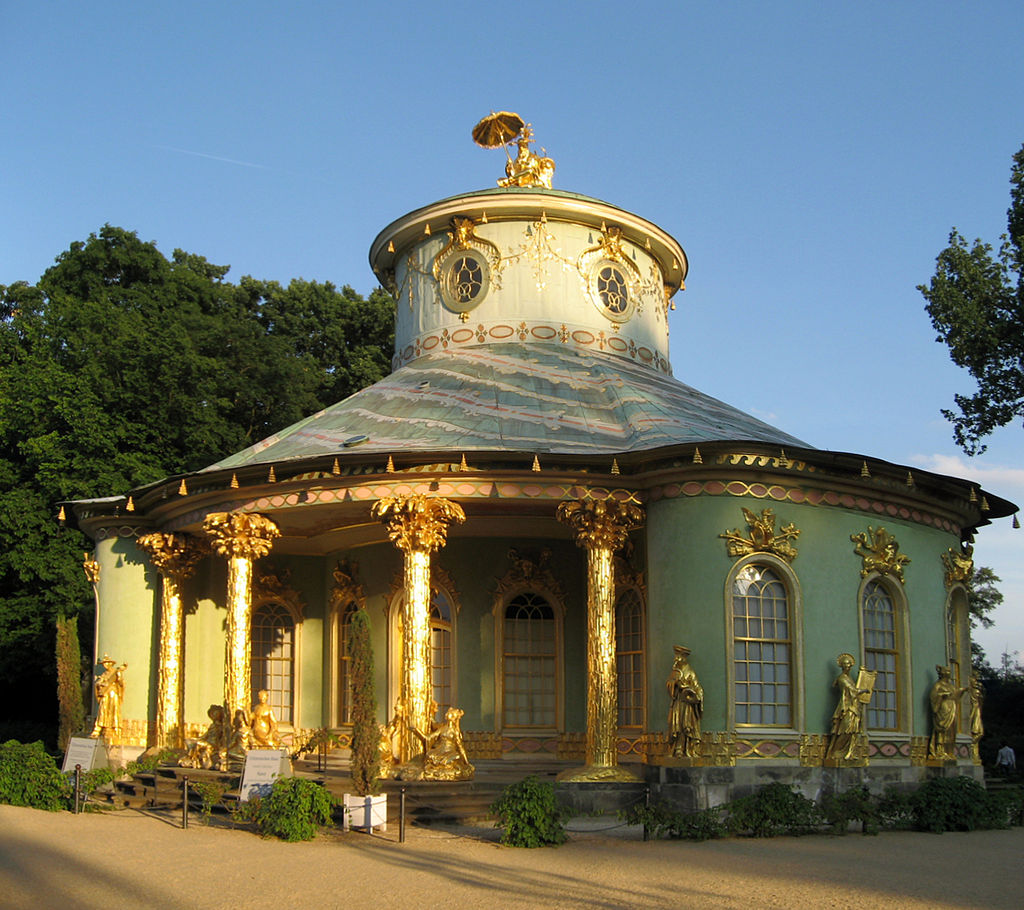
column 811, row 158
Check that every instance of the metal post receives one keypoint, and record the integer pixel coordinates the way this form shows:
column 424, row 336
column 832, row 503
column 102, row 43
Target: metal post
column 401, row 816
column 184, row 801
column 78, row 787
column 647, row 805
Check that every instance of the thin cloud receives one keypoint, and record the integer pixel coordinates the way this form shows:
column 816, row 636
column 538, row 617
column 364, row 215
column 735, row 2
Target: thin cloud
column 999, row 479
column 171, row 148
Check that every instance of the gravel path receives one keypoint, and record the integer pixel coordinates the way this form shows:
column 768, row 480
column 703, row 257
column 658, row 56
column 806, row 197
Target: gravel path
column 138, row 859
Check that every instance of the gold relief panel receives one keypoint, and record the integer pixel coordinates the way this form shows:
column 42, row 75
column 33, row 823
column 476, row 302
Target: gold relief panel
column 958, row 566
column 275, row 589
column 879, row 552
column 762, row 537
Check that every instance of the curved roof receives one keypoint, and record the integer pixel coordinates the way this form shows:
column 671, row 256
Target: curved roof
column 511, row 397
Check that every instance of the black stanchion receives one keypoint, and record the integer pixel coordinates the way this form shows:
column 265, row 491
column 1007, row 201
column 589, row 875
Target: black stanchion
column 78, row 788
column 647, row 805
column 401, row 816
column 184, row 801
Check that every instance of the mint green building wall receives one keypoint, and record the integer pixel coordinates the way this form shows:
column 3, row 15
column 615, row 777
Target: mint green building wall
column 205, row 642
column 127, row 624
column 688, row 569
column 475, row 566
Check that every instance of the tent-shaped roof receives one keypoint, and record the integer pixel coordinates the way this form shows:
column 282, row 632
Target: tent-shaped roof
column 511, row 397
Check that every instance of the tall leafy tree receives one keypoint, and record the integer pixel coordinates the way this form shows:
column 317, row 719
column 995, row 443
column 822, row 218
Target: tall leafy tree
column 976, row 303
column 120, row 367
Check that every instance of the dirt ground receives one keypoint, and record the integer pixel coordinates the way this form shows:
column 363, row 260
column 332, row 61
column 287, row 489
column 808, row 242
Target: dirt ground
column 139, row 859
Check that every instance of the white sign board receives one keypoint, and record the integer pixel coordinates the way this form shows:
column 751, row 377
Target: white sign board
column 85, row 751
column 262, row 768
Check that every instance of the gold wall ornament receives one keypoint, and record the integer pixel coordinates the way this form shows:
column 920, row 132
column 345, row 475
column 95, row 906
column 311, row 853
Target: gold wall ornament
column 175, row 557
column 847, row 745
column 91, row 569
column 600, row 526
column 686, row 706
column 611, row 278
column 959, row 567
column 976, row 726
column 763, row 537
column 879, row 553
column 109, row 689
column 418, row 526
column 241, row 537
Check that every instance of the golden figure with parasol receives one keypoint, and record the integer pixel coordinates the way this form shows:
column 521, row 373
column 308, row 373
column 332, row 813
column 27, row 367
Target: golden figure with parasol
column 527, row 169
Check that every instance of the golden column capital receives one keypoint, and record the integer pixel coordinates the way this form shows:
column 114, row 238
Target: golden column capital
column 241, row 534
column 417, row 523
column 601, row 524
column 174, row 554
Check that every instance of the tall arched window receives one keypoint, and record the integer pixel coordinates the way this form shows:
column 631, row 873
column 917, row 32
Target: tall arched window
column 441, row 651
column 881, row 654
column 344, row 674
column 762, row 656
column 529, row 662
column 629, row 657
column 273, row 658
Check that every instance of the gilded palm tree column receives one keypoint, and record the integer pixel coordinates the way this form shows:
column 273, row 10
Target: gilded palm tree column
column 175, row 557
column 418, row 526
column 601, row 527
column 242, row 538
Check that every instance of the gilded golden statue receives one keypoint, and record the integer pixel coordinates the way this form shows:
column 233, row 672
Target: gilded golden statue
column 386, row 747
column 977, row 696
column 848, row 717
column 109, row 690
column 444, row 753
column 211, row 749
column 527, row 168
column 686, row 708
column 945, row 704
column 262, row 724
column 240, row 740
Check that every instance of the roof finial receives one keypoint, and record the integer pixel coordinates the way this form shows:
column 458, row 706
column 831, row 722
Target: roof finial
column 527, row 169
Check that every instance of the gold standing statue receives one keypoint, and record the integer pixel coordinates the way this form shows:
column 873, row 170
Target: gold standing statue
column 109, row 699
column 686, row 708
column 945, row 703
column 848, row 717
column 977, row 694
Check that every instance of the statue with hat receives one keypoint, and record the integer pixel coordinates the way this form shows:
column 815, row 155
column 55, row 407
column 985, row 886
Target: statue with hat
column 109, row 690
column 686, row 708
column 847, row 731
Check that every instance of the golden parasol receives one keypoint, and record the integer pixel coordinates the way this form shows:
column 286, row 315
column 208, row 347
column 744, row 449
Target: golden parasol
column 497, row 129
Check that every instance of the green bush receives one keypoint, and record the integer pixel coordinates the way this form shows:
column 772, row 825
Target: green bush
column 211, row 793
column 774, row 809
column 293, row 810
column 957, row 804
column 662, row 821
column 30, row 777
column 530, row 815
column 855, row 805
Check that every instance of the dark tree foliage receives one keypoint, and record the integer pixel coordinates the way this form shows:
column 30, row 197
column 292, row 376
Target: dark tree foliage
column 365, row 730
column 120, row 367
column 976, row 302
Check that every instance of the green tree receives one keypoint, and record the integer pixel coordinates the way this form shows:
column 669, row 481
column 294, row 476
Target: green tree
column 976, row 303
column 365, row 730
column 982, row 598
column 121, row 367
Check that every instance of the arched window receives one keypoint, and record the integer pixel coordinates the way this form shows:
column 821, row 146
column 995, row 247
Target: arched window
column 441, row 651
column 762, row 659
column 881, row 654
column 273, row 658
column 529, row 662
column 344, row 674
column 629, row 657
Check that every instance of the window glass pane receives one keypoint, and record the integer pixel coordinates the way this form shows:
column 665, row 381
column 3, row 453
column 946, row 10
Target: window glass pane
column 761, row 651
column 273, row 638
